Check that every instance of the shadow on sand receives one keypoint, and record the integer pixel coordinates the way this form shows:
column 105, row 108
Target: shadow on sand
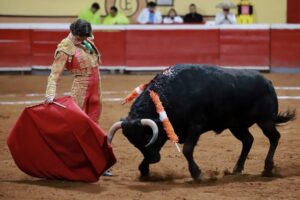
column 210, row 178
column 92, row 188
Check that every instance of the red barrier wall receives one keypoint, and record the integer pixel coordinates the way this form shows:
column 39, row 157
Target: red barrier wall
column 15, row 48
column 112, row 45
column 168, row 47
column 150, row 46
column 285, row 48
column 44, row 43
column 244, row 47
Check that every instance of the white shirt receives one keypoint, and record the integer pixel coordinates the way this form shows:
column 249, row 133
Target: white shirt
column 169, row 20
column 220, row 18
column 143, row 17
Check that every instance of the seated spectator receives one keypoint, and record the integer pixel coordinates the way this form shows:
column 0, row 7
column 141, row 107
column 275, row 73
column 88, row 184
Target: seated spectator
column 172, row 17
column 91, row 14
column 150, row 15
column 193, row 16
column 245, row 12
column 115, row 17
column 225, row 17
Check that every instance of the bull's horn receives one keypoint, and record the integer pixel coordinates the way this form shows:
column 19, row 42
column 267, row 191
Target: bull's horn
column 153, row 126
column 116, row 126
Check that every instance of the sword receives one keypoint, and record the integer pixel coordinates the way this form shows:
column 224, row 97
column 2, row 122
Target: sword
column 58, row 104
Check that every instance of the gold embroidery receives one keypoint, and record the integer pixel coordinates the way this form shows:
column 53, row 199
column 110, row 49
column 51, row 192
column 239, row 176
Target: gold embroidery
column 66, row 46
column 87, row 62
column 80, row 85
column 79, row 89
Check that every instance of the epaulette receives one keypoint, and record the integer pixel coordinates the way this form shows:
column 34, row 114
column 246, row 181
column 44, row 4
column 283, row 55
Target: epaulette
column 66, row 46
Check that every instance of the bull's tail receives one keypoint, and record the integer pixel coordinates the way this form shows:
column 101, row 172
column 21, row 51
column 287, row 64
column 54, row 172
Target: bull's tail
column 284, row 117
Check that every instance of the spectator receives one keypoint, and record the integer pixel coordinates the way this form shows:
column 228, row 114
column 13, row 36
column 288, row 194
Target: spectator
column 91, row 14
column 150, row 15
column 115, row 17
column 225, row 17
column 193, row 16
column 172, row 17
column 245, row 12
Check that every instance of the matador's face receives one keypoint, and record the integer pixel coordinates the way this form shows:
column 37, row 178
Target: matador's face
column 80, row 38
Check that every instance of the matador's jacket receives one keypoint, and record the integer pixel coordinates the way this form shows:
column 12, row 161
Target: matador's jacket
column 83, row 64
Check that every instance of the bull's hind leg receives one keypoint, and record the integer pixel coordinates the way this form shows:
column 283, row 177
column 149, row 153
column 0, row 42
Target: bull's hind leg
column 273, row 135
column 188, row 150
column 246, row 138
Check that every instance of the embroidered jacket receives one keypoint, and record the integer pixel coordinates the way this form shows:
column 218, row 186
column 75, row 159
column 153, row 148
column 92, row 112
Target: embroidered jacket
column 79, row 61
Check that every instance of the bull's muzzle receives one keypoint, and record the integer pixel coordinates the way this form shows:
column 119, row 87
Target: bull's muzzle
column 145, row 122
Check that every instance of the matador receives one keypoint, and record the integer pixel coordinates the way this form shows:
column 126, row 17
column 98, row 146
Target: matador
column 79, row 55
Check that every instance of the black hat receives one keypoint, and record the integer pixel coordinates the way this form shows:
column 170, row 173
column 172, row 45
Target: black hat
column 151, row 4
column 81, row 28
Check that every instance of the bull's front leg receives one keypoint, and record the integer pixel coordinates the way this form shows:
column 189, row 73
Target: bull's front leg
column 144, row 168
column 188, row 150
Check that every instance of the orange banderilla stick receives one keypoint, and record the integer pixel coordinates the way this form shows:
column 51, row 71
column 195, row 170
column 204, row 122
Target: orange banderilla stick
column 164, row 119
column 135, row 93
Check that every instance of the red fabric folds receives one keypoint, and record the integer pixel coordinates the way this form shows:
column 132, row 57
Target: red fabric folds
column 49, row 141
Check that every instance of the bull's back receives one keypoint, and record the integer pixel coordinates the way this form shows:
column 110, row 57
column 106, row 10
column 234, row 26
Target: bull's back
column 194, row 92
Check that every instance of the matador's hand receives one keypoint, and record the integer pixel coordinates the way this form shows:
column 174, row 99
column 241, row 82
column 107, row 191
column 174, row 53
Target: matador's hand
column 49, row 100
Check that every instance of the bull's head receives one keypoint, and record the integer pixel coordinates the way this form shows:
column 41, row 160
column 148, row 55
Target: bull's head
column 143, row 134
column 132, row 126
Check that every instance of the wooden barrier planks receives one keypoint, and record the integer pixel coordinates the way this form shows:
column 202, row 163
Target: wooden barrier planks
column 285, row 47
column 112, row 47
column 15, row 48
column 27, row 45
column 244, row 47
column 44, row 43
column 168, row 47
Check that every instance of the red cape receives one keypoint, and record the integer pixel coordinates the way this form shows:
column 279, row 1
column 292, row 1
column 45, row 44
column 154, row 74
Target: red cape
column 49, row 141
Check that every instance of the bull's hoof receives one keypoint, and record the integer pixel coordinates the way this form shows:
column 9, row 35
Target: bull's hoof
column 268, row 170
column 195, row 173
column 267, row 173
column 237, row 170
column 144, row 178
column 144, row 170
column 199, row 179
column 144, row 173
column 235, row 173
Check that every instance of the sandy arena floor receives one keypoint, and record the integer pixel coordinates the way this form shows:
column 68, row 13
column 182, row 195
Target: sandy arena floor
column 170, row 178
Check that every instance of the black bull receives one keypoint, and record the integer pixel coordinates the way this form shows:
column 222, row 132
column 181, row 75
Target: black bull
column 200, row 98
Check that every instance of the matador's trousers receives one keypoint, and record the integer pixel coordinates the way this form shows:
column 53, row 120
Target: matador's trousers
column 87, row 94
